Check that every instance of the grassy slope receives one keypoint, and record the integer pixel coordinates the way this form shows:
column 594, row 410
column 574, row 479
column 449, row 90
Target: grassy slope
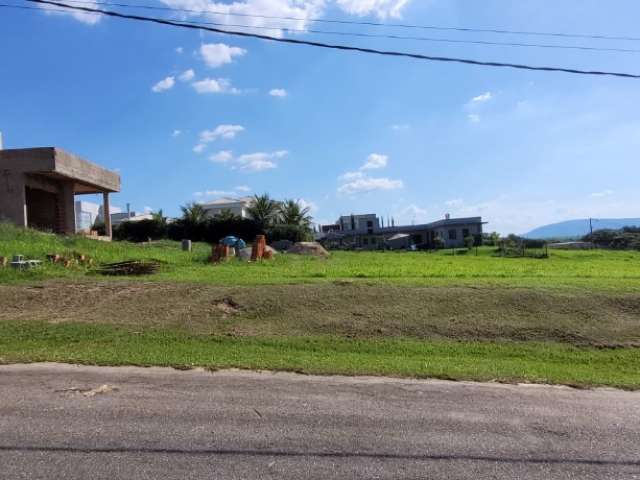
column 599, row 270
column 279, row 334
column 346, row 310
column 512, row 361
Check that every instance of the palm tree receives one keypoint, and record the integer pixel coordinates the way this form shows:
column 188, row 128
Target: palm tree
column 193, row 213
column 263, row 210
column 226, row 215
column 291, row 212
column 159, row 217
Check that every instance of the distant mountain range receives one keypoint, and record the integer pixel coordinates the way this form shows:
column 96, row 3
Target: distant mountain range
column 579, row 228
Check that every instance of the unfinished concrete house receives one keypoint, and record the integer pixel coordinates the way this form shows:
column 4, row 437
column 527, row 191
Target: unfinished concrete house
column 38, row 187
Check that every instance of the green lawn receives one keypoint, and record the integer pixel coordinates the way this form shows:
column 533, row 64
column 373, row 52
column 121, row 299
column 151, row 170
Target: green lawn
column 481, row 361
column 413, row 314
column 597, row 269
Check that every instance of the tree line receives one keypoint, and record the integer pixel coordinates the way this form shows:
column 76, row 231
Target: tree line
column 286, row 220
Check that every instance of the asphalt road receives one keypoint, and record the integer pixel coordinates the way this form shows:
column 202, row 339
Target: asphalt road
column 167, row 424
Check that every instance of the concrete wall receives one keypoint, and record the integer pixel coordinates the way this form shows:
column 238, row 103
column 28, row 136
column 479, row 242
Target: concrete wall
column 236, row 209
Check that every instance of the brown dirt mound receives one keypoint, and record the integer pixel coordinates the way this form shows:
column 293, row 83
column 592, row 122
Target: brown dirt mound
column 308, row 248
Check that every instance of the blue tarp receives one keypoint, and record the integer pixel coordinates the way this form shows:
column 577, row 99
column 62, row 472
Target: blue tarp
column 232, row 241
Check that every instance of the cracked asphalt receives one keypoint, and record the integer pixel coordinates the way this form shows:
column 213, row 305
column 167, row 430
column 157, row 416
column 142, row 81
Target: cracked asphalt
column 72, row 422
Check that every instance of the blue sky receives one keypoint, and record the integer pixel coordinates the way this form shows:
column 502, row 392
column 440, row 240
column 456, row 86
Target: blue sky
column 188, row 116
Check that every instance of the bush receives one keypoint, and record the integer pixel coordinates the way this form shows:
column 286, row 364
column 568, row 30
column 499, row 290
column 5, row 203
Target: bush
column 293, row 233
column 213, row 230
column 438, row 243
column 243, row 228
column 181, row 229
column 628, row 238
column 469, row 242
column 140, row 231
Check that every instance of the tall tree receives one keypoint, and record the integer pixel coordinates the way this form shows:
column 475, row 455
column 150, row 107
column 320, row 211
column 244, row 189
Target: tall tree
column 193, row 213
column 263, row 210
column 226, row 215
column 291, row 212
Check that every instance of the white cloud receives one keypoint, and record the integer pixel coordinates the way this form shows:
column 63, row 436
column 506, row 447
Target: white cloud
column 223, row 193
column 179, row 50
column 187, row 75
column 359, row 181
column 249, row 162
column 215, row 55
column 199, row 148
column 604, row 193
column 350, row 176
column 148, row 209
column 214, row 85
column 278, row 92
column 374, row 161
column 301, row 10
column 474, row 118
column 410, row 214
column 219, row 193
column 257, row 162
column 312, row 206
column 164, row 84
column 380, row 8
column 87, row 18
column 264, row 12
column 485, row 97
column 228, row 132
column 369, row 184
column 223, row 156
column 399, row 127
column 176, row 133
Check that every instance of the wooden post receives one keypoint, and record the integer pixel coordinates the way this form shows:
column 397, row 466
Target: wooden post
column 107, row 215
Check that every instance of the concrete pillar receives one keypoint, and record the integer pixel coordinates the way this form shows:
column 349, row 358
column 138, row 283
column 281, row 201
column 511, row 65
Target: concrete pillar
column 13, row 198
column 68, row 209
column 107, row 214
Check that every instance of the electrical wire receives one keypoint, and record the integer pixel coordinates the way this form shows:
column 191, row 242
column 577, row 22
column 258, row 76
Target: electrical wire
column 335, row 46
column 366, row 23
column 389, row 36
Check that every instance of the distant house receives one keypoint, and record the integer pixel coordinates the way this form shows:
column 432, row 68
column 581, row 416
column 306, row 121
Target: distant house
column 366, row 232
column 368, row 222
column 237, row 206
column 86, row 215
column 118, row 218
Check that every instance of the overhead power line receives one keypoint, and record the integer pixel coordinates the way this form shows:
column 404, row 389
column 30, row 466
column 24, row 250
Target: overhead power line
column 365, row 23
column 294, row 41
column 377, row 35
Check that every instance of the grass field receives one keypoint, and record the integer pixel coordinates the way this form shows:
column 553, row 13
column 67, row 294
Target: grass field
column 503, row 361
column 597, row 269
column 573, row 318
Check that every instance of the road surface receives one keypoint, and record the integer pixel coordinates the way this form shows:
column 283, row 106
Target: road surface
column 62, row 421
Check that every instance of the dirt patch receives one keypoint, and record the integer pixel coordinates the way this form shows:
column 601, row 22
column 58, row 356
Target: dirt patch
column 352, row 310
column 228, row 306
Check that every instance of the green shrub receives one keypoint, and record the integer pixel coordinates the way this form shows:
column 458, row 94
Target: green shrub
column 293, row 233
column 140, row 231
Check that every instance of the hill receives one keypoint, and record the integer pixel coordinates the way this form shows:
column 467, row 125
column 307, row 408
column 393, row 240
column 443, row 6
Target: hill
column 579, row 228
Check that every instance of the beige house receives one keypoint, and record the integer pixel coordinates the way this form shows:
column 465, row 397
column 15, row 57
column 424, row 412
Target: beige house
column 237, row 206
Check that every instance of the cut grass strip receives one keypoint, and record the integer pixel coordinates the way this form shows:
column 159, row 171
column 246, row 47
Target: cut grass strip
column 24, row 341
